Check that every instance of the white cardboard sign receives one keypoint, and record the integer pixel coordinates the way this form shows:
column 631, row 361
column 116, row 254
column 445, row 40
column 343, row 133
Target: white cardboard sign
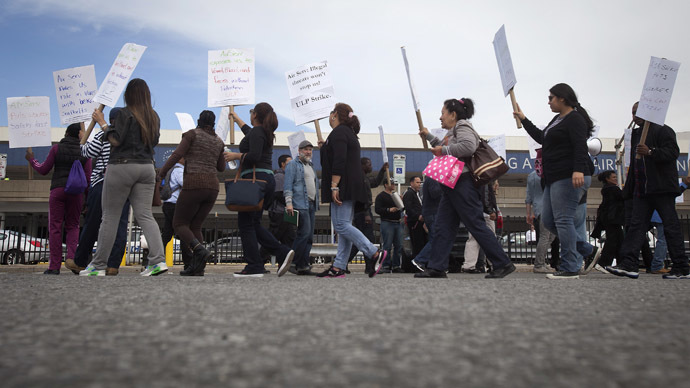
column 293, row 141
column 311, row 92
column 627, row 139
column 505, row 63
column 186, row 121
column 657, row 90
column 223, row 124
column 383, row 145
column 28, row 121
column 439, row 133
column 231, row 77
column 498, row 143
column 119, row 74
column 415, row 100
column 75, row 89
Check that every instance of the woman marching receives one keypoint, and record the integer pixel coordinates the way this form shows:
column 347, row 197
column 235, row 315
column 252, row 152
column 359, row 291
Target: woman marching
column 130, row 175
column 461, row 203
column 567, row 174
column 202, row 150
column 257, row 149
column 342, row 185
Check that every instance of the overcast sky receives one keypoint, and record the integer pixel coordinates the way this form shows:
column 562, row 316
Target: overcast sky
column 601, row 48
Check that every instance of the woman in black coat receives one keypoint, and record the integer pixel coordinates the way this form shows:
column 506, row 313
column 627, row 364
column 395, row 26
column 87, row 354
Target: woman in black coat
column 610, row 218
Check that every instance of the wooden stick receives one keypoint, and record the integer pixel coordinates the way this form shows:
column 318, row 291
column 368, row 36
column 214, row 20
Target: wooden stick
column 91, row 125
column 31, row 169
column 388, row 175
column 232, row 124
column 318, row 131
column 645, row 129
column 421, row 126
column 515, row 107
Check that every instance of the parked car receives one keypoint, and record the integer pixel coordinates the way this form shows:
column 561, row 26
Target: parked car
column 20, row 248
column 227, row 248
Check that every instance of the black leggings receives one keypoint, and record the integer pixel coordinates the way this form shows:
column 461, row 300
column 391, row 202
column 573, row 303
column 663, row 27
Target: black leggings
column 190, row 212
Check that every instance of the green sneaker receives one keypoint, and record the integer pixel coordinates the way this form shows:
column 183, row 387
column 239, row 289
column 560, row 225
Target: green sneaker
column 155, row 270
column 91, row 271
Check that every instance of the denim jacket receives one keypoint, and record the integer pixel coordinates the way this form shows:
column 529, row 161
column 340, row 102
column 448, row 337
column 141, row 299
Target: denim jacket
column 295, row 189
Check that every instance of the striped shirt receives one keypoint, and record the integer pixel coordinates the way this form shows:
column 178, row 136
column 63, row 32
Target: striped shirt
column 100, row 151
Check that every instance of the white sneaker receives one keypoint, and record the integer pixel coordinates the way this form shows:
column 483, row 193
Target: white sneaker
column 155, row 270
column 286, row 263
column 91, row 271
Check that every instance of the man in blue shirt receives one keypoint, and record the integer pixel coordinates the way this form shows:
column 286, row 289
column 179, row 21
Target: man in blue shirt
column 301, row 191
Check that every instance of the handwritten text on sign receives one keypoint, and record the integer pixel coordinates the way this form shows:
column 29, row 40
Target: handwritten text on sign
column 505, row 63
column 75, row 89
column 311, row 92
column 119, row 74
column 28, row 121
column 657, row 90
column 231, row 77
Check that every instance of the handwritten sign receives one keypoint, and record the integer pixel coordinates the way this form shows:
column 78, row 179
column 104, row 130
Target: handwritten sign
column 505, row 63
column 28, row 121
column 293, row 141
column 657, row 90
column 498, row 143
column 186, row 121
column 627, row 139
column 223, row 124
column 75, row 89
column 383, row 145
column 231, row 77
column 119, row 74
column 415, row 100
column 311, row 92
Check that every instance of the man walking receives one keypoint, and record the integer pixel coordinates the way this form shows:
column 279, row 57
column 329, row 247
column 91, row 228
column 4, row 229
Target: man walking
column 415, row 220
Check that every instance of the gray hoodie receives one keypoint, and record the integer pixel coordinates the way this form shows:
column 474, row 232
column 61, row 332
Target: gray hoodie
column 463, row 141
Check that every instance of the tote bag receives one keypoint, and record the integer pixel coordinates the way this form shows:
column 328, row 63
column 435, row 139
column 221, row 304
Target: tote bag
column 444, row 169
column 245, row 195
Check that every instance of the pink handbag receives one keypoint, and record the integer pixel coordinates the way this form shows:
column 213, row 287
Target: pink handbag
column 445, row 170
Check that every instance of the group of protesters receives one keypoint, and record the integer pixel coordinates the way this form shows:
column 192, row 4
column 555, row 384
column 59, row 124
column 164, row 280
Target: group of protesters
column 122, row 174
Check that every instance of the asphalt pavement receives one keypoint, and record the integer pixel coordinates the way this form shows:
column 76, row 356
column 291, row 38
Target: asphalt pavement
column 389, row 331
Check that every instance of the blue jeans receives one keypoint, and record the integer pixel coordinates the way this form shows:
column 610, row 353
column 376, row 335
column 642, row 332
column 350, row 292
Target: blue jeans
column 583, row 246
column 341, row 216
column 661, row 247
column 423, row 256
column 392, row 234
column 463, row 203
column 305, row 236
column 563, row 215
column 92, row 223
column 252, row 233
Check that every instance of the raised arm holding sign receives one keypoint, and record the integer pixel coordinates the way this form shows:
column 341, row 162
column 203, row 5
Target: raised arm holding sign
column 505, row 67
column 415, row 100
column 118, row 76
column 656, row 93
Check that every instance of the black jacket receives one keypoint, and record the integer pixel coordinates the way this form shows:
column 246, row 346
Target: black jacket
column 341, row 155
column 611, row 211
column 68, row 151
column 258, row 149
column 564, row 148
column 413, row 207
column 661, row 171
column 384, row 201
column 127, row 132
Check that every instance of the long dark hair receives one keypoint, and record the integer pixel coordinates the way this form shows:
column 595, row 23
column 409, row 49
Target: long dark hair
column 207, row 120
column 138, row 101
column 463, row 107
column 569, row 97
column 343, row 111
column 267, row 117
column 73, row 130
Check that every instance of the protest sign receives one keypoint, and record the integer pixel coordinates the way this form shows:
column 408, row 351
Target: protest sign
column 223, row 124
column 657, row 90
column 186, row 121
column 293, row 141
column 415, row 100
column 383, row 145
column 498, row 143
column 439, row 133
column 505, row 67
column 3, row 166
column 311, row 92
column 28, row 121
column 231, row 77
column 627, row 138
column 75, row 89
column 119, row 74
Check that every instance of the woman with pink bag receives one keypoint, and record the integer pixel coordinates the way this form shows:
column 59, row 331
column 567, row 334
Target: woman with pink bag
column 461, row 203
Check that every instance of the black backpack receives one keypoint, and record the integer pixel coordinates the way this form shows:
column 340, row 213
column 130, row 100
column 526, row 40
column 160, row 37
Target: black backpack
column 166, row 189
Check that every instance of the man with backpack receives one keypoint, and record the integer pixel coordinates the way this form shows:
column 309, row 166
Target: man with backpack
column 169, row 193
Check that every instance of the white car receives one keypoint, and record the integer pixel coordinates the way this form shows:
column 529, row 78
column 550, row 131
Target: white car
column 20, row 248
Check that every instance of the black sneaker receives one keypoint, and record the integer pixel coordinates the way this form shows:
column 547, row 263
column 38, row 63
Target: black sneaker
column 378, row 262
column 246, row 274
column 304, row 272
column 563, row 275
column 51, row 272
column 620, row 271
column 431, row 273
column 502, row 272
column 678, row 274
column 591, row 260
column 331, row 273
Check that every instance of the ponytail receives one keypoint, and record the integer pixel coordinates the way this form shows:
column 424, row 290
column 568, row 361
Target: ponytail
column 347, row 117
column 268, row 119
column 463, row 107
column 567, row 93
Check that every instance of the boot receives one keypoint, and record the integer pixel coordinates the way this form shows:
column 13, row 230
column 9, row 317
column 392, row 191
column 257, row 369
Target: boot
column 199, row 259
